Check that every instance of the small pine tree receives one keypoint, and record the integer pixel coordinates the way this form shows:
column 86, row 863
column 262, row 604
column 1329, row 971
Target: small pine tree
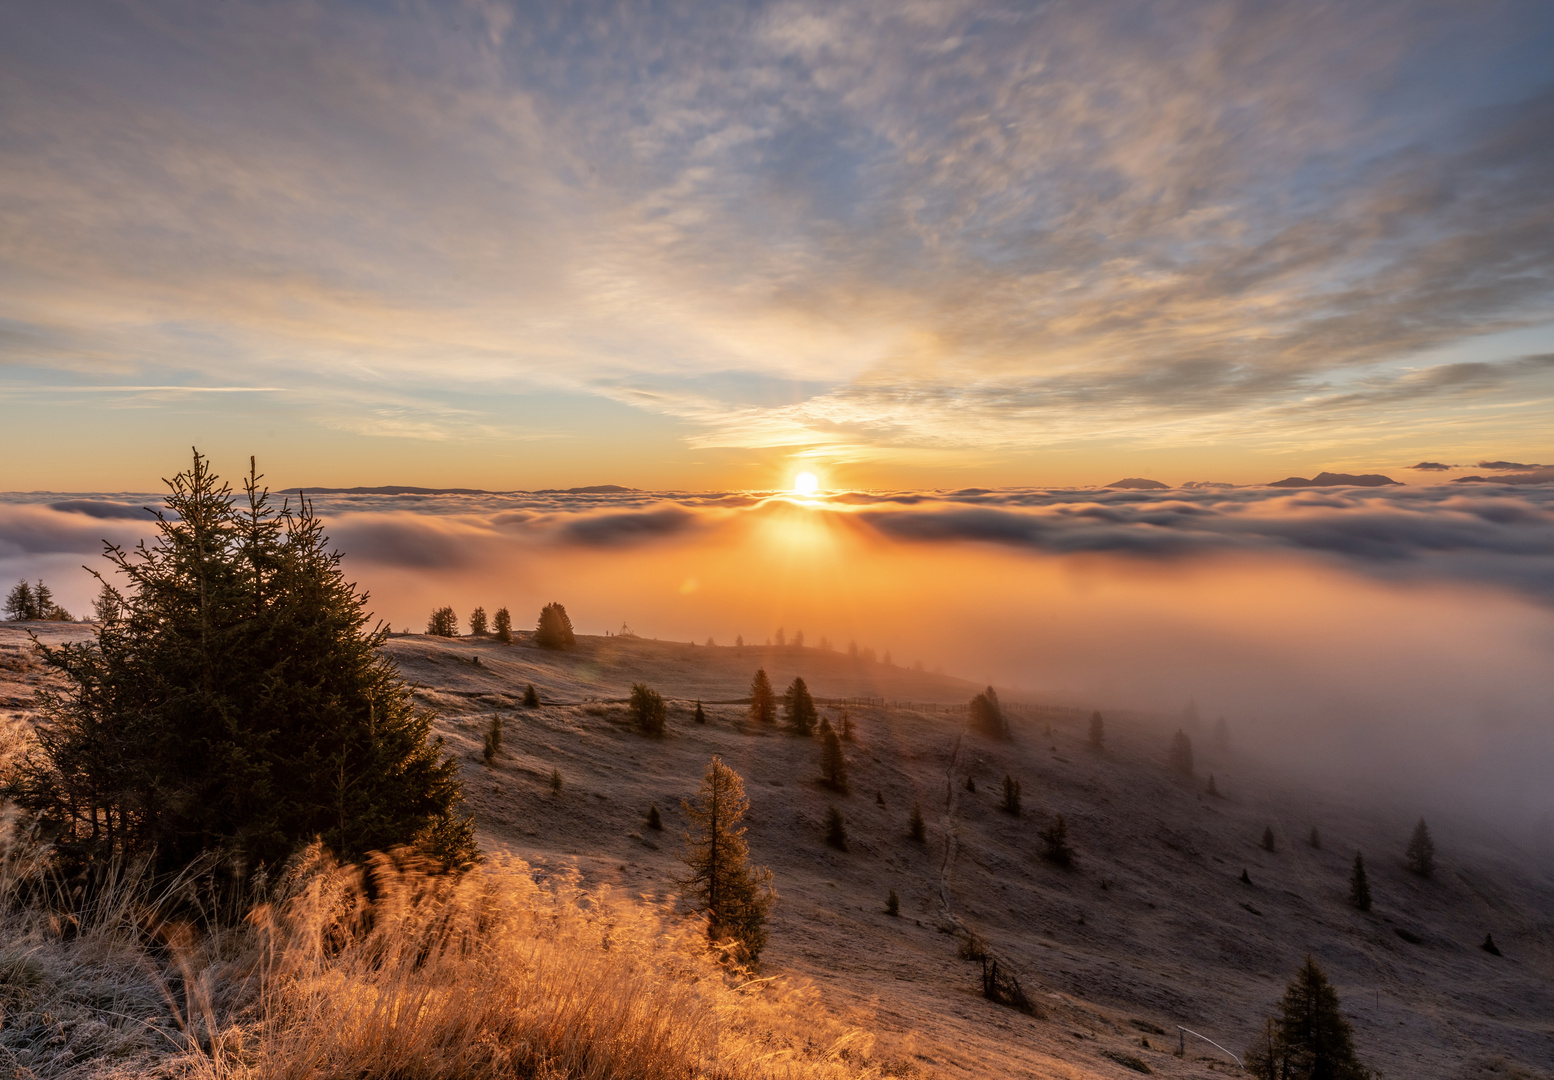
column 108, row 606
column 1420, row 853
column 1310, row 1039
column 1221, row 733
column 502, row 626
column 1181, row 753
column 1213, row 788
column 443, row 623
column 1359, row 884
column 655, row 820
column 1055, row 846
column 915, row 827
column 700, row 715
column 849, row 732
column 531, row 697
column 971, row 784
column 493, row 739
column 763, row 701
column 739, row 641
column 893, row 905
column 1011, row 803
column 833, row 763
column 987, row 716
column 879, row 798
column 477, row 623
column 1097, row 730
column 836, row 829
column 735, row 896
column 1268, row 840
column 648, row 709
column 1315, row 839
column 555, row 781
column 800, row 707
column 20, row 603
column 554, row 629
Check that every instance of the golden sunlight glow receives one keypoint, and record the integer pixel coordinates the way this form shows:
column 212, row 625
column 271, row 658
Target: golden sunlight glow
column 806, row 484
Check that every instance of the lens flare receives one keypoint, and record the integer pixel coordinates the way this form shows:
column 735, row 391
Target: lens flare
column 806, row 484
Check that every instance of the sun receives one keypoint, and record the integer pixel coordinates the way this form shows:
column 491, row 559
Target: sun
column 805, row 484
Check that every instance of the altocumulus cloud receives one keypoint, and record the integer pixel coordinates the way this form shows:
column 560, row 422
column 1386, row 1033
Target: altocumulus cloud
column 1502, row 535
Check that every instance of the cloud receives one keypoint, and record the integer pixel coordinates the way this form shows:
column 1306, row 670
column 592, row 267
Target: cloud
column 1432, row 466
column 103, row 508
column 1505, row 466
column 610, row 530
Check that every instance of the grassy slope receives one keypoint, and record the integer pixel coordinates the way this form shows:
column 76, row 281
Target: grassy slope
column 1151, row 927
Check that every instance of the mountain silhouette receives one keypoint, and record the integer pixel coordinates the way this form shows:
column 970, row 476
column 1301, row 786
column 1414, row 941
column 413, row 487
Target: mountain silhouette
column 1331, row 479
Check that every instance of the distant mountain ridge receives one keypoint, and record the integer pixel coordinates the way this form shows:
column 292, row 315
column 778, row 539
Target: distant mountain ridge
column 400, row 489
column 1328, row 479
column 1138, row 483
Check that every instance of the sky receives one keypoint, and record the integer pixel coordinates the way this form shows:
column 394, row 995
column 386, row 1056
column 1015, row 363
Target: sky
column 702, row 246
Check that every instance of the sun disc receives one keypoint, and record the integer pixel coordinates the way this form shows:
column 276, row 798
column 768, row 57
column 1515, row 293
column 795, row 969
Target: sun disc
column 805, row 483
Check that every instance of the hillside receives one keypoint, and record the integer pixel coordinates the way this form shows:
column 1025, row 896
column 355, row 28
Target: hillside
column 1150, row 929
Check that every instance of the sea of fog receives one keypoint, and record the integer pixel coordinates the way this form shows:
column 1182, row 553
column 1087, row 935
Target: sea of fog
column 1400, row 639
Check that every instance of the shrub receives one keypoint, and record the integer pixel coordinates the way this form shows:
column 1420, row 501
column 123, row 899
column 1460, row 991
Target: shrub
column 836, row 829
column 240, row 705
column 477, row 623
column 1011, row 802
column 971, row 784
column 554, row 629
column 987, row 716
column 555, row 781
column 1420, row 853
column 648, row 709
column 893, row 905
column 1054, row 841
column 700, row 716
column 1097, row 731
column 1001, row 985
column 800, row 707
column 1268, row 840
column 915, row 827
column 443, row 623
column 1181, row 753
column 763, row 702
column 734, row 896
column 833, row 763
column 655, row 820
column 1359, row 885
column 502, row 626
column 1310, row 1039
column 531, row 697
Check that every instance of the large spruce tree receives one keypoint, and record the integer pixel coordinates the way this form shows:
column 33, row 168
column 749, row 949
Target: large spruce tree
column 237, row 704
column 735, row 896
column 763, row 701
column 800, row 707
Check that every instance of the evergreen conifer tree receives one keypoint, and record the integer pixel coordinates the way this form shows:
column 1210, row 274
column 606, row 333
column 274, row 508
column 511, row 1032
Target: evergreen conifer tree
column 493, row 739
column 915, row 827
column 108, row 606
column 892, row 904
column 477, row 623
column 502, row 626
column 555, row 781
column 800, row 707
column 1011, row 803
column 1181, row 753
column 1359, row 884
column 701, row 714
column 1097, row 730
column 971, row 784
column 833, row 763
column 648, row 709
column 531, row 697
column 735, row 896
column 763, row 701
column 848, row 732
column 1213, row 788
column 655, row 820
column 1268, row 840
column 554, row 629
column 443, row 623
column 20, row 603
column 1054, row 840
column 836, row 829
column 987, row 716
column 1315, row 839
column 1421, row 851
column 240, row 704
column 1310, row 1039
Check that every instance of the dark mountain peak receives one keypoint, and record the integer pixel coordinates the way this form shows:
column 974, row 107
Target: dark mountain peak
column 1138, row 483
column 1329, row 479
